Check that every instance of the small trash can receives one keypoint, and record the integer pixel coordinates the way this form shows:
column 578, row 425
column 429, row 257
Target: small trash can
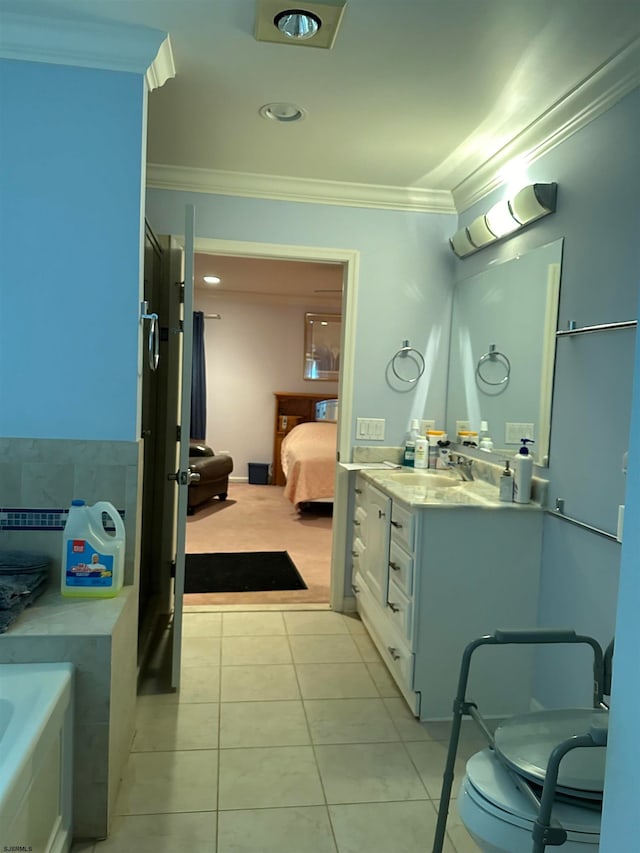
column 259, row 473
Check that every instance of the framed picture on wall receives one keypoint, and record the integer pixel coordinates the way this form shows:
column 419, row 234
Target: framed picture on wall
column 322, row 336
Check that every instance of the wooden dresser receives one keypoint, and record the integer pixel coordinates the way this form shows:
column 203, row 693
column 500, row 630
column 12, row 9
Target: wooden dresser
column 291, row 410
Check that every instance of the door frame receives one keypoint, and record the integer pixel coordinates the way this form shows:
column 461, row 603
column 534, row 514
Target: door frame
column 350, row 259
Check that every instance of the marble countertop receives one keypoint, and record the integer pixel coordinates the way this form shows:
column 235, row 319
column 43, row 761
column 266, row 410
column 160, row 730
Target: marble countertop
column 477, row 493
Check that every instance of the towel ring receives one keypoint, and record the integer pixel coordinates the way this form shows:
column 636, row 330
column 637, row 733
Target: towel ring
column 492, row 355
column 403, row 352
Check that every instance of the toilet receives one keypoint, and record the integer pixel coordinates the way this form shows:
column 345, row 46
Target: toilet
column 500, row 818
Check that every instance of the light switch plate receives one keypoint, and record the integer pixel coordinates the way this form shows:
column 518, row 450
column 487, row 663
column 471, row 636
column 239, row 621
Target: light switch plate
column 370, row 429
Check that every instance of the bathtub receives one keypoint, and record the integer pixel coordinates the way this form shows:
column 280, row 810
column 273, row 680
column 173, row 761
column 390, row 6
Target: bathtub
column 36, row 736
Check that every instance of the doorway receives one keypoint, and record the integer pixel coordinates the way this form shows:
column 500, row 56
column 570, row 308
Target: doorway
column 243, row 350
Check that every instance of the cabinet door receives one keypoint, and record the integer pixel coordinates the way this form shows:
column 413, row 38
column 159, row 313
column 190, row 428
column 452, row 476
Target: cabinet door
column 375, row 560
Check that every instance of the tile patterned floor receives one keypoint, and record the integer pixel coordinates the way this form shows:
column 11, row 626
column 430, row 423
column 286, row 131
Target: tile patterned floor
column 287, row 736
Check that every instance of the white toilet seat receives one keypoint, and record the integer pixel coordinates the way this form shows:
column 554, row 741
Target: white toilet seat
column 526, row 742
column 501, row 818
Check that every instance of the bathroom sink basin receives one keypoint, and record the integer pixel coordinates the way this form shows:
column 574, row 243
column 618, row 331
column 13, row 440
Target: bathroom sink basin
column 426, row 478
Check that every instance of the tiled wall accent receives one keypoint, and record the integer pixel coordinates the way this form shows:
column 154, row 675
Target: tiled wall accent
column 40, row 477
column 28, row 518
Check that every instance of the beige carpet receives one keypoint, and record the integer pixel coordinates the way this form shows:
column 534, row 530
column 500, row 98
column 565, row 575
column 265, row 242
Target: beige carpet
column 260, row 518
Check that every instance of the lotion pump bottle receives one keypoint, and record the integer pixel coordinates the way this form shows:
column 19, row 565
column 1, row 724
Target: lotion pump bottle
column 506, row 484
column 522, row 471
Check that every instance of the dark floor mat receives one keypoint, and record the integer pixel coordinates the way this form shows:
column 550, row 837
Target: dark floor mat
column 249, row 571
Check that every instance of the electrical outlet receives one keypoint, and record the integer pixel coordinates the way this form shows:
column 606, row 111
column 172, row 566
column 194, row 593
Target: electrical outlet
column 462, row 425
column 426, row 425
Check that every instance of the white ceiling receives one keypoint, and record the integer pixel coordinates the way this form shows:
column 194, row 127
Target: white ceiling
column 414, row 94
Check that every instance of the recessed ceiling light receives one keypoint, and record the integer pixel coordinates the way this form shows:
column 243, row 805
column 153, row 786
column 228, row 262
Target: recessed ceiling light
column 282, row 112
column 212, row 279
column 297, row 24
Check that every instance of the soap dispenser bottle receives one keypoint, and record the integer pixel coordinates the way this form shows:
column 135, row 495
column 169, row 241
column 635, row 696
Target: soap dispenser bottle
column 506, row 484
column 522, row 471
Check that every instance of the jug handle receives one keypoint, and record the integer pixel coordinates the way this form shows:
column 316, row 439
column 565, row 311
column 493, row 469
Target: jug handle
column 114, row 515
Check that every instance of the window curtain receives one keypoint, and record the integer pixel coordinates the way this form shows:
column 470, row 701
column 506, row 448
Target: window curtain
column 198, row 381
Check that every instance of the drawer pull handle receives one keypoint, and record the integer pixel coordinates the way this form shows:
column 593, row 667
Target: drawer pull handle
column 393, row 607
column 356, row 522
column 355, row 588
column 381, row 514
column 394, row 566
column 396, row 524
column 394, row 653
column 358, row 491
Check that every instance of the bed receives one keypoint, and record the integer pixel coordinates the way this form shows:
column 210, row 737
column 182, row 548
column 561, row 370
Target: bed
column 308, row 456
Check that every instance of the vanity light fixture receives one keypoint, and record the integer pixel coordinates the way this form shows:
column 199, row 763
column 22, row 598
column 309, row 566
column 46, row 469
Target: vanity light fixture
column 506, row 217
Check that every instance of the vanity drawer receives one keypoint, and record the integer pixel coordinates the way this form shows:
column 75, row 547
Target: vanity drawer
column 401, row 568
column 402, row 527
column 399, row 610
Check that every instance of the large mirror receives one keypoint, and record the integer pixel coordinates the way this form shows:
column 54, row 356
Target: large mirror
column 503, row 349
column 322, row 333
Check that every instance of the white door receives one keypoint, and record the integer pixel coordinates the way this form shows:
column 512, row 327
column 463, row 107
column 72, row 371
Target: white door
column 183, row 475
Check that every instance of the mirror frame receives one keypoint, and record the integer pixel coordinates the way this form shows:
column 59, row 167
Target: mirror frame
column 321, row 331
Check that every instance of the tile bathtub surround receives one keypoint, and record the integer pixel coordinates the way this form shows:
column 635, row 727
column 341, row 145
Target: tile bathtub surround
column 97, row 637
column 248, row 758
column 40, row 478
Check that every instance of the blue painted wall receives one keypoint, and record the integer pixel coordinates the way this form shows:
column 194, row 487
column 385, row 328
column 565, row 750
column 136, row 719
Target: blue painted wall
column 598, row 216
column 404, row 283
column 70, row 210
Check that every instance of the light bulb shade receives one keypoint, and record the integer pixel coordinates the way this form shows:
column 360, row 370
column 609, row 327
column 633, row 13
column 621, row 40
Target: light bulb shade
column 461, row 243
column 509, row 215
column 500, row 220
column 480, row 233
column 297, row 24
column 534, row 201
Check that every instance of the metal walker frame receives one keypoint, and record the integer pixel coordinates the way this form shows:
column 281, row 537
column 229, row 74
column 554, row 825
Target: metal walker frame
column 546, row 830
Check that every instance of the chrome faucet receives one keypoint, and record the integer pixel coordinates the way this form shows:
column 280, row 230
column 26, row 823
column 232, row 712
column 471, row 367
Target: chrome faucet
column 463, row 466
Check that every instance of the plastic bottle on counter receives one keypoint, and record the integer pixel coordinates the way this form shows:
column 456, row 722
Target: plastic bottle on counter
column 92, row 559
column 422, row 453
column 486, row 442
column 433, row 437
column 506, row 484
column 410, row 444
column 522, row 473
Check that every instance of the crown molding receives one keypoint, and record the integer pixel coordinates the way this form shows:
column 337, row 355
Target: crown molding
column 87, row 44
column 284, row 188
column 597, row 93
column 162, row 68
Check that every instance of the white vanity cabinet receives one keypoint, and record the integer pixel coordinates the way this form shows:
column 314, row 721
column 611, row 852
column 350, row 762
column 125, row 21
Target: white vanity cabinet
column 429, row 580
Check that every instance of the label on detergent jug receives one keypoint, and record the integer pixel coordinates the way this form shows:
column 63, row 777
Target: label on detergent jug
column 86, row 567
